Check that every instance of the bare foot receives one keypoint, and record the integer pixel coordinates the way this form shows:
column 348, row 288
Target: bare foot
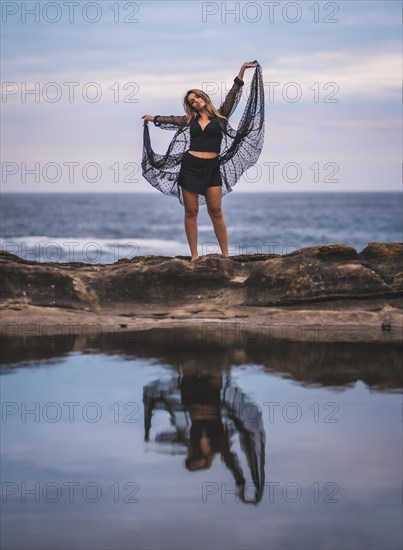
column 194, row 258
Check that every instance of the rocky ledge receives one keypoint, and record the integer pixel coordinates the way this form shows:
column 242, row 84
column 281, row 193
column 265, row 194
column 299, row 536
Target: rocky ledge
column 331, row 291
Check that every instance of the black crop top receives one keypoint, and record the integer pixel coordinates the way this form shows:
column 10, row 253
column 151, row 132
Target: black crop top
column 207, row 140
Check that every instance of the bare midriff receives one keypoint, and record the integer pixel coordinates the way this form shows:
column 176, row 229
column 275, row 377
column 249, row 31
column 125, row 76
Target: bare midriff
column 203, row 155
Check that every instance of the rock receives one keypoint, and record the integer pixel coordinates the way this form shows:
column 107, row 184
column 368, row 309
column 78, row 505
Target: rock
column 328, row 278
column 385, row 259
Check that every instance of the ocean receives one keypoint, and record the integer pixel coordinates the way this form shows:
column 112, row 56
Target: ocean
column 106, row 227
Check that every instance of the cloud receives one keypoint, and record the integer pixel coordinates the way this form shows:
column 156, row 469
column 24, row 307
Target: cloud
column 171, row 50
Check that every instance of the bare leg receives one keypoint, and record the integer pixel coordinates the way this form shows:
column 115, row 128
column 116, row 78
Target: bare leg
column 213, row 199
column 191, row 201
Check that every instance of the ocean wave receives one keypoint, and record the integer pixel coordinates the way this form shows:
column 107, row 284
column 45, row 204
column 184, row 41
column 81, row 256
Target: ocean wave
column 42, row 248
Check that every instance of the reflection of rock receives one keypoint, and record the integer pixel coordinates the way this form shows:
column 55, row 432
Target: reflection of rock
column 330, row 278
column 323, row 364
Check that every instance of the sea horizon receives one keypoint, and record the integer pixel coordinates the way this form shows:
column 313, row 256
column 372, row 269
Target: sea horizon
column 158, row 194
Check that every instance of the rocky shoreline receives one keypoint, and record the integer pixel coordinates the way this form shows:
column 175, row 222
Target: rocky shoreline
column 317, row 294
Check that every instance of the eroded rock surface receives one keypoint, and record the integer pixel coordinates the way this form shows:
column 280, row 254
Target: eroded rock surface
column 310, row 274
column 331, row 278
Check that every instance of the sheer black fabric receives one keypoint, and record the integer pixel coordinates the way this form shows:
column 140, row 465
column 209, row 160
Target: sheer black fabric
column 240, row 148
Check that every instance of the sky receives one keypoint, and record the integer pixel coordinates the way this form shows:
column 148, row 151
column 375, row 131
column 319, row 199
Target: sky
column 78, row 76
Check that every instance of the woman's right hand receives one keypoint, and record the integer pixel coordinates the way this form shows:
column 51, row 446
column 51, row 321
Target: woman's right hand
column 148, row 118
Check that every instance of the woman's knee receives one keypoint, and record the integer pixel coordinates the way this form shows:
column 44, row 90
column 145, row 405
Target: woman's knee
column 191, row 211
column 215, row 212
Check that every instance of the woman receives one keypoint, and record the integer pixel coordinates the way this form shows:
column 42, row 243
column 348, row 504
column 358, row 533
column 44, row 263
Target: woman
column 206, row 156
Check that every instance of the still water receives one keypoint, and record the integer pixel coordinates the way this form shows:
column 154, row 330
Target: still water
column 158, row 442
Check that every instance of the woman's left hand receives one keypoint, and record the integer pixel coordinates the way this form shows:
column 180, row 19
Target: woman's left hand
column 250, row 64
column 247, row 65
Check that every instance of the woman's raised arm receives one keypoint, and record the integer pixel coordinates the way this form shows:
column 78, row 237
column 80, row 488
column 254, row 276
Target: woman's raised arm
column 234, row 95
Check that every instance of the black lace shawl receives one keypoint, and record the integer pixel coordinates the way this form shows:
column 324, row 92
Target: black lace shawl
column 240, row 149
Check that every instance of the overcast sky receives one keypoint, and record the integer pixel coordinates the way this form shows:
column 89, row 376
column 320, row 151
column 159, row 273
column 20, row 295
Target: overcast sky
column 332, row 73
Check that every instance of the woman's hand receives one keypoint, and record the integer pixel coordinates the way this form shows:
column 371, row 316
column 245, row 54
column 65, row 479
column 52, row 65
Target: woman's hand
column 148, row 118
column 247, row 65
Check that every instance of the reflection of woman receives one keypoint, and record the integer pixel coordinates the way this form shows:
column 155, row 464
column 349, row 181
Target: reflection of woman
column 201, row 397
column 206, row 417
column 207, row 157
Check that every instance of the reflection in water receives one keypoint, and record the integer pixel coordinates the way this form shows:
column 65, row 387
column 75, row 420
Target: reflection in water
column 196, row 405
column 337, row 365
column 207, row 411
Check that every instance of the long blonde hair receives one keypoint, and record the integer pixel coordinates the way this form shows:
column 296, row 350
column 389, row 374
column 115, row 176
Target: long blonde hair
column 191, row 113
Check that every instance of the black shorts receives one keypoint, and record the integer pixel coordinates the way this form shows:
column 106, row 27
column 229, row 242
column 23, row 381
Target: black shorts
column 197, row 174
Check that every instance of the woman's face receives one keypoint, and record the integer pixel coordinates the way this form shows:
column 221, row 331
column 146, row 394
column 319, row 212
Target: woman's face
column 196, row 102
